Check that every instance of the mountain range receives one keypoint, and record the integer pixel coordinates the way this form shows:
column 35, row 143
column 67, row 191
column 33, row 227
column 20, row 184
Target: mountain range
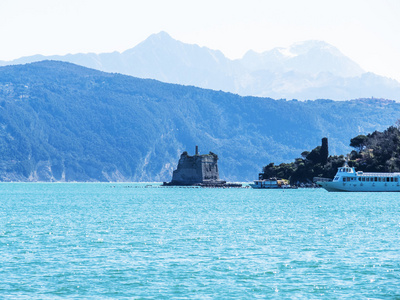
column 305, row 71
column 64, row 122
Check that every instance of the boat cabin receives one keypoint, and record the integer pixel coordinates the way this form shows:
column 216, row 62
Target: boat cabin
column 347, row 174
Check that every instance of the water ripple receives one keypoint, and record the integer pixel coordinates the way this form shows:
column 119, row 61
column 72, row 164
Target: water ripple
column 115, row 241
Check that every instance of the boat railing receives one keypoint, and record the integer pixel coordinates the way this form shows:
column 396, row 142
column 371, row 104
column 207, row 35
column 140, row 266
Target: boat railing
column 321, row 179
column 379, row 174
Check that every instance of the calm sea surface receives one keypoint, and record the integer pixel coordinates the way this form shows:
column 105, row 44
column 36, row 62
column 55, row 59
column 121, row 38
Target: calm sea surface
column 131, row 241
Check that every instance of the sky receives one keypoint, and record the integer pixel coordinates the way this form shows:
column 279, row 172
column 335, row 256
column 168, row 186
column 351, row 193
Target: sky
column 367, row 31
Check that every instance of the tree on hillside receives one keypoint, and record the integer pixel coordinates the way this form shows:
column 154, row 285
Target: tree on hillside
column 359, row 142
column 378, row 151
column 314, row 156
column 319, row 155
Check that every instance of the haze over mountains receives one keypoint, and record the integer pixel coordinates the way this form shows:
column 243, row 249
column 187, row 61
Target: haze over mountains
column 64, row 122
column 307, row 70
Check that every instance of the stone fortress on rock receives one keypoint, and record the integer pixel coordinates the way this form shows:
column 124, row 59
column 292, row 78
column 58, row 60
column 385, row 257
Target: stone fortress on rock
column 198, row 170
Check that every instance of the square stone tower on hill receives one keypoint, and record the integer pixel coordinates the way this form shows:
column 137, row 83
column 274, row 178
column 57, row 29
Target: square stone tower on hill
column 197, row 170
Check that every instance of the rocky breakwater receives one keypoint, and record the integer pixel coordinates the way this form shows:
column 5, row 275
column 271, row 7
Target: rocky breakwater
column 198, row 170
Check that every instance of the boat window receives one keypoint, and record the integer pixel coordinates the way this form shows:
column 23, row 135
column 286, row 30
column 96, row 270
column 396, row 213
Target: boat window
column 396, row 179
column 359, row 178
column 388, row 179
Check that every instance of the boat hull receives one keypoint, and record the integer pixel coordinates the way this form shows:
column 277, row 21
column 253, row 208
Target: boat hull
column 360, row 187
column 254, row 186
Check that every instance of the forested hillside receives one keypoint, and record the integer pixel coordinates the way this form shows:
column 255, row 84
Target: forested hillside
column 374, row 152
column 62, row 122
column 377, row 151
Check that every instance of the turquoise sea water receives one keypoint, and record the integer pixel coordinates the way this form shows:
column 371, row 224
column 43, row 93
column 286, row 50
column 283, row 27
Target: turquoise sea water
column 94, row 241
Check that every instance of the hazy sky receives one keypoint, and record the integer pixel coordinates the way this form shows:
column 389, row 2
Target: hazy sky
column 368, row 31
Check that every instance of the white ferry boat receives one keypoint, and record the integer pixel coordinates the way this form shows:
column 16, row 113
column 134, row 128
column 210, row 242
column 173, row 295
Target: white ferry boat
column 271, row 183
column 348, row 180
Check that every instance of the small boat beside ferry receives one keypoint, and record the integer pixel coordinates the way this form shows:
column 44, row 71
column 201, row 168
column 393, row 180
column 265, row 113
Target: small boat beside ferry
column 271, row 183
column 348, row 180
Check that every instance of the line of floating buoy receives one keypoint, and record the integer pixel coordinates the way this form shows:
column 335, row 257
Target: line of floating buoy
column 182, row 187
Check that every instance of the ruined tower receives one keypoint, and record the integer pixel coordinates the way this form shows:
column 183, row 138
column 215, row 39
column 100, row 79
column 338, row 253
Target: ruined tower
column 197, row 170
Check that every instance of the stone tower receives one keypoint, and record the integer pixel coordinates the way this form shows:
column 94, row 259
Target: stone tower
column 197, row 170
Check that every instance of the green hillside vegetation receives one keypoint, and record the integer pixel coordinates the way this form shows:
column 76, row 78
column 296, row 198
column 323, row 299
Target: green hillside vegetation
column 375, row 152
column 63, row 122
column 378, row 151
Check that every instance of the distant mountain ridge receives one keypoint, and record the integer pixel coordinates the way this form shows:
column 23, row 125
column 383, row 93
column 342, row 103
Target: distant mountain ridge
column 307, row 70
column 311, row 57
column 64, row 122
